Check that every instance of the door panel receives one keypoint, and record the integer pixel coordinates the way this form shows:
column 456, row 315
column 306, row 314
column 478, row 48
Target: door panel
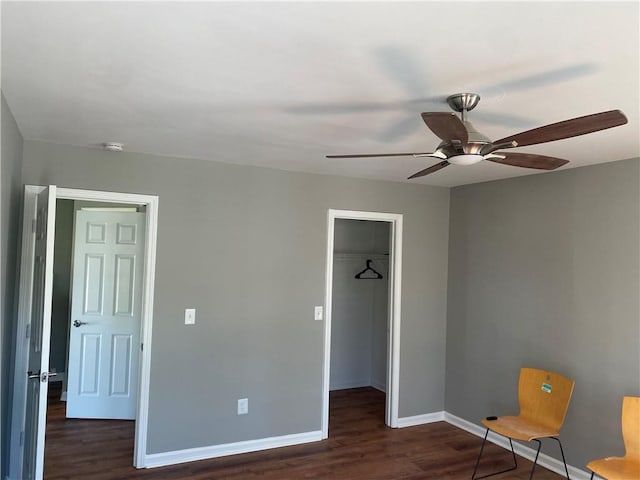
column 39, row 331
column 104, row 341
column 90, row 363
column 120, row 383
column 124, row 285
column 93, row 291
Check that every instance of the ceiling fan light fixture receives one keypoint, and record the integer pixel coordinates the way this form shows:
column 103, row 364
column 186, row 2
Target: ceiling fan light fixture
column 465, row 159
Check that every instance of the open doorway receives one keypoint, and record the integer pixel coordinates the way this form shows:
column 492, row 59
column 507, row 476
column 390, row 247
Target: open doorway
column 95, row 322
column 362, row 315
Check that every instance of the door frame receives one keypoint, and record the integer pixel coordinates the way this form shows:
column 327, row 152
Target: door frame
column 24, row 313
column 394, row 310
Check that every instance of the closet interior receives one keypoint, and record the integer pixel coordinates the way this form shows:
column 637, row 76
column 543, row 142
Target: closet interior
column 360, row 304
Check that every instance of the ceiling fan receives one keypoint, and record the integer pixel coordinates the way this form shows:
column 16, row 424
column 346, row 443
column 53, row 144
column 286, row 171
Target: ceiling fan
column 462, row 144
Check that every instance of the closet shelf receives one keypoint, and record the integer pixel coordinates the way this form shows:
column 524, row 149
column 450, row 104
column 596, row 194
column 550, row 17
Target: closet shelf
column 376, row 256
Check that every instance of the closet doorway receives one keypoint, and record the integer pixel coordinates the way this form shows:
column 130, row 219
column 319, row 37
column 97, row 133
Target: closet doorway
column 362, row 306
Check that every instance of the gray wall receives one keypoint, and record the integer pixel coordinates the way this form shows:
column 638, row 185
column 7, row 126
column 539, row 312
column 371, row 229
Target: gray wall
column 246, row 247
column 359, row 311
column 544, row 272
column 10, row 205
column 361, row 236
column 61, row 284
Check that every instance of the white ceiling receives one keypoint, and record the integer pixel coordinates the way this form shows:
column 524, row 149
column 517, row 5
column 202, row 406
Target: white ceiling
column 282, row 84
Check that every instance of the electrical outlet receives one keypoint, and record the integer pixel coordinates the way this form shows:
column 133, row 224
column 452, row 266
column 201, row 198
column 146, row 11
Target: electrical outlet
column 243, row 406
column 190, row 316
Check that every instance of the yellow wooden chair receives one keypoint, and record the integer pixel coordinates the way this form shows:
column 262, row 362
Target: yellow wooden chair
column 627, row 467
column 544, row 399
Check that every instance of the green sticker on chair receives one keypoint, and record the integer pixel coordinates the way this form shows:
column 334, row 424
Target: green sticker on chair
column 546, row 387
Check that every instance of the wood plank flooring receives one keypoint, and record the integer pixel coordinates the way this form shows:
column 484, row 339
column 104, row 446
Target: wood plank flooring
column 360, row 447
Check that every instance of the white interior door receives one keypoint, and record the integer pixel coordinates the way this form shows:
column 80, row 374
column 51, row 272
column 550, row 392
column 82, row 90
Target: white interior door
column 104, row 339
column 39, row 331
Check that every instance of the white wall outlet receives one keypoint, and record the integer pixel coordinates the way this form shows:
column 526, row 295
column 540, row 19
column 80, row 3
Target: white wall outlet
column 190, row 316
column 317, row 313
column 243, row 406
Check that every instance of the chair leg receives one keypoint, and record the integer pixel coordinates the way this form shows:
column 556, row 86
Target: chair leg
column 566, row 470
column 535, row 460
column 513, row 453
column 475, row 469
column 515, row 461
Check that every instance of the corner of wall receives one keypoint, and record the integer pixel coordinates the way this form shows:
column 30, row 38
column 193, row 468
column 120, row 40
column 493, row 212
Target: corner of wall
column 10, row 203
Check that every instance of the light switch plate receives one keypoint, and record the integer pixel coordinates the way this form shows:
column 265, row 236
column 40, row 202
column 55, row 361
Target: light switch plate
column 190, row 316
column 317, row 313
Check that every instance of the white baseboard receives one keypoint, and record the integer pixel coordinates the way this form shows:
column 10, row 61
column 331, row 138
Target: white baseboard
column 350, row 384
column 213, row 451
column 526, row 452
column 378, row 386
column 420, row 419
column 359, row 384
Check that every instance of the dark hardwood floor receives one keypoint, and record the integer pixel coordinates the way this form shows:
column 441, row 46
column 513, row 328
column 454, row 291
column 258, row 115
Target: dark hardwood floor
column 359, row 447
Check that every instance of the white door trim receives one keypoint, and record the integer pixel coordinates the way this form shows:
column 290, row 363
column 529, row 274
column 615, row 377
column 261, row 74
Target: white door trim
column 395, row 280
column 25, row 294
column 151, row 203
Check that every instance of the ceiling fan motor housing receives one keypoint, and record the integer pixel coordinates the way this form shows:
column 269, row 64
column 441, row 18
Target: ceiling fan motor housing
column 476, row 139
column 474, row 146
column 460, row 102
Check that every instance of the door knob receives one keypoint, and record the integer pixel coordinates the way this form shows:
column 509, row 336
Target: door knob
column 77, row 323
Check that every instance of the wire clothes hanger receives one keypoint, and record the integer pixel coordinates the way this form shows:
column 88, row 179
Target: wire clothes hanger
column 368, row 269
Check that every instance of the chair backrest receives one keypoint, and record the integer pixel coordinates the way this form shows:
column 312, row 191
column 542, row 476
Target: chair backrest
column 631, row 426
column 544, row 397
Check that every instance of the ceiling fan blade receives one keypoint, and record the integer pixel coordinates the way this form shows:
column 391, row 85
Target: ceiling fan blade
column 400, row 129
column 537, row 80
column 341, row 108
column 568, row 128
column 402, row 67
column 365, row 155
column 528, row 160
column 431, row 169
column 447, row 126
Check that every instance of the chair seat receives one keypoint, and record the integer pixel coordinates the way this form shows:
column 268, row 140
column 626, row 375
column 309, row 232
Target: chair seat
column 519, row 428
column 616, row 468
